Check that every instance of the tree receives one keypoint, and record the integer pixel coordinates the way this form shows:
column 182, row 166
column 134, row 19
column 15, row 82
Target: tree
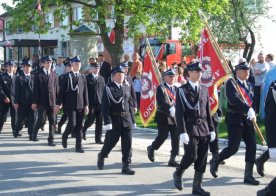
column 239, row 24
column 154, row 17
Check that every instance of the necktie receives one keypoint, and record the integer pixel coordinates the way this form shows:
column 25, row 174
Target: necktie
column 10, row 76
column 47, row 74
column 196, row 89
column 76, row 75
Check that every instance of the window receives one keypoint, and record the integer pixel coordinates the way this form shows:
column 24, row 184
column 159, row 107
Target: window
column 77, row 13
column 50, row 19
column 19, row 30
column 20, row 52
column 64, row 48
column 10, row 53
column 8, row 28
column 64, row 21
column 35, row 50
column 172, row 49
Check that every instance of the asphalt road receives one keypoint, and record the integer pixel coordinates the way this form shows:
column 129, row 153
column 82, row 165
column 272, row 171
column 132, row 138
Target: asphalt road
column 34, row 168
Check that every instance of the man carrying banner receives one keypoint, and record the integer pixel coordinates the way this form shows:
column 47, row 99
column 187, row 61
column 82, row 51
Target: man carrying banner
column 239, row 118
column 165, row 118
column 194, row 123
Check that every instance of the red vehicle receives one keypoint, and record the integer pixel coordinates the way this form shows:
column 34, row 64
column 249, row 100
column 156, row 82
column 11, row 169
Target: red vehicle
column 171, row 50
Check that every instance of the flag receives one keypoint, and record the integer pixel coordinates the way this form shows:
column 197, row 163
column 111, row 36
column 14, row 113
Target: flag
column 213, row 72
column 161, row 52
column 112, row 36
column 38, row 6
column 149, row 84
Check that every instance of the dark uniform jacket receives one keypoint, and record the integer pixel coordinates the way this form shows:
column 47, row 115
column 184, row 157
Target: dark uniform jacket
column 23, row 90
column 237, row 107
column 73, row 99
column 6, row 83
column 105, row 70
column 45, row 89
column 115, row 113
column 270, row 113
column 95, row 89
column 194, row 122
column 163, row 106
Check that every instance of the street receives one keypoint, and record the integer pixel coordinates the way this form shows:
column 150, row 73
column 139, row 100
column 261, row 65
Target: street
column 34, row 168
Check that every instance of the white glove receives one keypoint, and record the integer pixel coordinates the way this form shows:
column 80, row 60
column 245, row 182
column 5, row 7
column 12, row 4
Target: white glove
column 212, row 136
column 272, row 154
column 107, row 127
column 134, row 126
column 172, row 111
column 184, row 138
column 251, row 114
column 219, row 119
column 135, row 110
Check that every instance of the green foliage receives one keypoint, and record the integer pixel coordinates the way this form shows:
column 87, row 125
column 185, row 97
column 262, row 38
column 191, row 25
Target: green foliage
column 154, row 17
column 239, row 23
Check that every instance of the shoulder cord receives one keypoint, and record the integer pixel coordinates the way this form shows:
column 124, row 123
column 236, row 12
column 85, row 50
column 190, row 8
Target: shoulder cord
column 70, row 84
column 182, row 94
column 108, row 92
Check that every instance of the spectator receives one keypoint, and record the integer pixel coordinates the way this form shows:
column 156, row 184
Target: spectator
column 136, row 66
column 126, row 60
column 259, row 70
column 87, row 69
column 162, row 67
column 269, row 59
column 180, row 78
column 137, row 87
column 60, row 68
column 105, row 69
column 251, row 78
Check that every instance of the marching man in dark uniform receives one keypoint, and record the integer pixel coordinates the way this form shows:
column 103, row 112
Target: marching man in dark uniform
column 116, row 112
column 73, row 97
column 44, row 98
column 165, row 118
column 270, row 127
column 68, row 68
column 194, row 123
column 23, row 100
column 239, row 125
column 95, row 86
column 6, row 83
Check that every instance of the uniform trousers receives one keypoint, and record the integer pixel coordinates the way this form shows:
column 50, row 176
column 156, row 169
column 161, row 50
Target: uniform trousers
column 163, row 132
column 235, row 134
column 75, row 118
column 25, row 115
column 4, row 113
column 95, row 113
column 111, row 139
column 42, row 112
column 196, row 152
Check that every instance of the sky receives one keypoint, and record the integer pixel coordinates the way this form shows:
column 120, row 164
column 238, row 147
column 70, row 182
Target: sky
column 266, row 34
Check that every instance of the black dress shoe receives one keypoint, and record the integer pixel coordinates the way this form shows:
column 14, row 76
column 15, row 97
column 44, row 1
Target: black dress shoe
column 127, row 170
column 150, row 153
column 100, row 161
column 99, row 142
column 30, row 138
column 79, row 150
column 51, row 144
column 19, row 135
column 35, row 139
column 64, row 143
column 84, row 136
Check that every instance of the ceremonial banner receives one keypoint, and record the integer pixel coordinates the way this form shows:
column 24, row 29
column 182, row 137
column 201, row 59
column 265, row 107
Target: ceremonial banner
column 213, row 72
column 149, row 83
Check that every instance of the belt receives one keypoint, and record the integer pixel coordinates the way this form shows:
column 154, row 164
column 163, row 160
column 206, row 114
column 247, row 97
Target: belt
column 163, row 112
column 197, row 121
column 122, row 114
column 235, row 112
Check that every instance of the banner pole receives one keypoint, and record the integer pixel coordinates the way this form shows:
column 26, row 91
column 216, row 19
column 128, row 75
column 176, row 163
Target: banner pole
column 228, row 70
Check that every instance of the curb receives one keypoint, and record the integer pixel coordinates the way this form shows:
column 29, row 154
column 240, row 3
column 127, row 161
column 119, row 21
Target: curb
column 221, row 141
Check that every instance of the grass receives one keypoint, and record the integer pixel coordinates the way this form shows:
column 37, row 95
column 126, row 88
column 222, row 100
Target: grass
column 222, row 127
